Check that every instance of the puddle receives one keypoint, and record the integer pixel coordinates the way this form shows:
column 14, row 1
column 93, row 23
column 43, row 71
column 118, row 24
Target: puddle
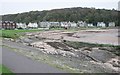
column 69, row 34
column 79, row 36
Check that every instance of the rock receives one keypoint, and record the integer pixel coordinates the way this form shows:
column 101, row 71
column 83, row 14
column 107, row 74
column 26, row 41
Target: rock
column 85, row 48
column 12, row 40
column 115, row 62
column 44, row 47
column 8, row 39
column 95, row 48
column 17, row 40
column 101, row 55
column 26, row 40
column 86, row 52
column 66, row 49
column 30, row 37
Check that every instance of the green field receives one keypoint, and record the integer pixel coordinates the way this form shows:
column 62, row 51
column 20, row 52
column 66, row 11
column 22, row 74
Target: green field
column 14, row 33
column 17, row 33
column 4, row 69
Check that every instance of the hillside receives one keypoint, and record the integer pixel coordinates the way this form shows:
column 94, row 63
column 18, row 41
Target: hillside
column 90, row 15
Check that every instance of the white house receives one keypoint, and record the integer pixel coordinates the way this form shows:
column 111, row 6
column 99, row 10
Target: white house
column 44, row 25
column 81, row 24
column 111, row 24
column 72, row 24
column 90, row 25
column 21, row 25
column 64, row 24
column 32, row 25
column 55, row 24
column 0, row 24
column 101, row 24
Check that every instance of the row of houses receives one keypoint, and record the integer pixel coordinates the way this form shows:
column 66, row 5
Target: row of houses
column 13, row 25
column 73, row 24
column 8, row 25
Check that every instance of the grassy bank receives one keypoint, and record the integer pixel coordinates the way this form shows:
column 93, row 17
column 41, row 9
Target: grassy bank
column 4, row 69
column 14, row 33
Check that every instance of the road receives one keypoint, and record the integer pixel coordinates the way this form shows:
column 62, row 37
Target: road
column 0, row 51
column 21, row 64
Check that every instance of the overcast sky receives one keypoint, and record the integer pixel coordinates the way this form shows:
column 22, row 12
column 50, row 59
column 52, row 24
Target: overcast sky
column 19, row 6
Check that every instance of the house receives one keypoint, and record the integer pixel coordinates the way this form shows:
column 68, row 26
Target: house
column 54, row 24
column 72, row 24
column 90, row 25
column 0, row 24
column 32, row 25
column 81, row 24
column 64, row 24
column 44, row 25
column 21, row 25
column 111, row 24
column 101, row 24
column 8, row 25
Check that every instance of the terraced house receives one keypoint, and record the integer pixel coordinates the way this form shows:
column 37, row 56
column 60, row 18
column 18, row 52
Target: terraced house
column 8, row 25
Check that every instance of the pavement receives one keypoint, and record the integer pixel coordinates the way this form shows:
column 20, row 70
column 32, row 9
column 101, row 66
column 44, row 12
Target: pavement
column 21, row 64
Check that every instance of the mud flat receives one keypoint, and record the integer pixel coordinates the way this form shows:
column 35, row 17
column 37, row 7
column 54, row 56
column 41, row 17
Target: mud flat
column 108, row 36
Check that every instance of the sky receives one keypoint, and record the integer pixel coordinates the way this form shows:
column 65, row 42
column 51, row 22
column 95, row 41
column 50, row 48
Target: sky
column 19, row 6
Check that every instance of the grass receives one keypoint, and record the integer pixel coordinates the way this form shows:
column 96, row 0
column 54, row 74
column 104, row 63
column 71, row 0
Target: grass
column 17, row 33
column 57, row 29
column 4, row 69
column 14, row 33
column 78, row 45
